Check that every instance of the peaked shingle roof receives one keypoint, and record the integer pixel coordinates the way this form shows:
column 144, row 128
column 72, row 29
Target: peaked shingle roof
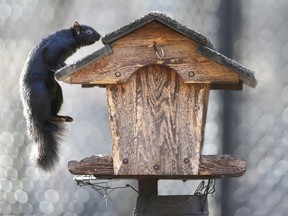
column 247, row 76
column 205, row 47
column 162, row 18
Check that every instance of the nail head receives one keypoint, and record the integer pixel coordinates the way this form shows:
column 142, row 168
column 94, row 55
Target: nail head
column 156, row 167
column 125, row 161
column 186, row 160
column 191, row 73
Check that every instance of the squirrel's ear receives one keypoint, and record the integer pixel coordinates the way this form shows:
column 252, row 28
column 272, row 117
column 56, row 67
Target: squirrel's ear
column 76, row 26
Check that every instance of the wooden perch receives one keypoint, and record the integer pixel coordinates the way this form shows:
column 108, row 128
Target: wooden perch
column 211, row 166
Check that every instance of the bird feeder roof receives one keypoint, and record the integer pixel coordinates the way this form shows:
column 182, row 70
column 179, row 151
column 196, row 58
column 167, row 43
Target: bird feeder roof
column 162, row 18
column 120, row 55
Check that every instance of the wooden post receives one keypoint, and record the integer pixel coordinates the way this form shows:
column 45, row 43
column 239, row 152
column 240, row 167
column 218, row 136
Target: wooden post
column 175, row 205
column 147, row 187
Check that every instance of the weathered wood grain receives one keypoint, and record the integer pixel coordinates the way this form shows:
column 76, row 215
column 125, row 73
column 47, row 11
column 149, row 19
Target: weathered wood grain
column 211, row 166
column 225, row 165
column 157, row 123
column 136, row 50
column 91, row 165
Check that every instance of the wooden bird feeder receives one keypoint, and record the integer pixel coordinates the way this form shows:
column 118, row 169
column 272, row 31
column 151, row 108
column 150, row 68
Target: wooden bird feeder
column 158, row 74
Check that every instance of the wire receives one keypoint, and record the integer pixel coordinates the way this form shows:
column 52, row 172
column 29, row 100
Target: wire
column 205, row 189
column 104, row 188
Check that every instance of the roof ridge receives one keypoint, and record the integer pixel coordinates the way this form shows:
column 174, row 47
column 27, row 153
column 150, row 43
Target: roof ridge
column 162, row 18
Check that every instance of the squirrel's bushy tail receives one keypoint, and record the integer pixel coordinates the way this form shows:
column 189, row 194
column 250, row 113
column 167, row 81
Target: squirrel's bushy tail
column 47, row 137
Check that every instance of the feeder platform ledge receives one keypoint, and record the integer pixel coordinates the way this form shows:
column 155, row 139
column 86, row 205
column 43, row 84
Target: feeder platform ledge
column 211, row 166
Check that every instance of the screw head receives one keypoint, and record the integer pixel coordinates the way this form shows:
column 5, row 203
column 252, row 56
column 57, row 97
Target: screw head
column 125, row 161
column 186, row 160
column 117, row 74
column 156, row 167
column 191, row 73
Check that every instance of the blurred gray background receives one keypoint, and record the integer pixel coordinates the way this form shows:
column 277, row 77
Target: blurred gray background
column 251, row 123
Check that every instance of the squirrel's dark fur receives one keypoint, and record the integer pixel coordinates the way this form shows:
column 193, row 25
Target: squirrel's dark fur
column 40, row 93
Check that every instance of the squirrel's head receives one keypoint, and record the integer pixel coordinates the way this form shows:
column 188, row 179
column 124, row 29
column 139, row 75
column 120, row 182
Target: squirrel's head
column 84, row 35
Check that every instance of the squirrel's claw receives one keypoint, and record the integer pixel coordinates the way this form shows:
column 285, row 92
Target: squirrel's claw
column 63, row 118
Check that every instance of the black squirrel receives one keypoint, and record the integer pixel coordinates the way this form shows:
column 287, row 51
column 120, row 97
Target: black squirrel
column 42, row 96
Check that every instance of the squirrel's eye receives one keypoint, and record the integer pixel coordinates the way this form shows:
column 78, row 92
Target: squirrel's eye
column 89, row 31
